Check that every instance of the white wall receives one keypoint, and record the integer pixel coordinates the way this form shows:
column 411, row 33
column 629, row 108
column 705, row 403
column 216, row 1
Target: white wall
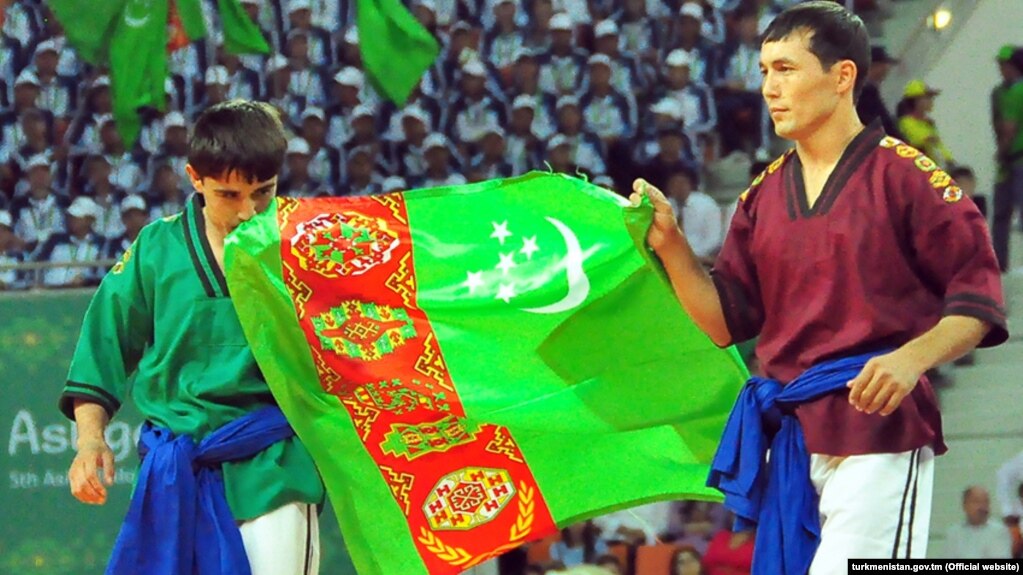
column 966, row 72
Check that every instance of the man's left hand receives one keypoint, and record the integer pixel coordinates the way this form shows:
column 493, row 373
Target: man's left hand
column 883, row 383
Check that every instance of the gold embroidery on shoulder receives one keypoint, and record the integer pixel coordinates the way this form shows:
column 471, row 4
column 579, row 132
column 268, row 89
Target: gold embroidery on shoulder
column 889, row 142
column 119, row 266
column 952, row 194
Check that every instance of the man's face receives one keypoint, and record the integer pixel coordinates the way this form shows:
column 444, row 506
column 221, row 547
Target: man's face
column 232, row 198
column 977, row 506
column 364, row 127
column 101, row 100
column 34, row 127
column 80, row 227
column 493, row 146
column 800, row 94
column 25, row 95
column 108, row 136
column 678, row 77
column 561, row 40
column 298, row 48
column 46, row 62
column 39, row 181
column 360, row 167
column 525, row 69
column 670, row 144
column 134, row 220
column 607, row 44
column 436, row 158
column 689, row 29
column 746, row 29
column 561, row 156
column 679, row 186
column 569, row 119
column 165, row 181
column 298, row 165
column 414, row 129
column 347, row 95
column 522, row 119
column 301, row 19
column 314, row 130
column 504, row 13
column 99, row 171
column 600, row 76
column 472, row 85
column 176, row 137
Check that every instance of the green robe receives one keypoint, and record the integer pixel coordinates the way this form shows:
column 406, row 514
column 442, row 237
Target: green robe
column 162, row 328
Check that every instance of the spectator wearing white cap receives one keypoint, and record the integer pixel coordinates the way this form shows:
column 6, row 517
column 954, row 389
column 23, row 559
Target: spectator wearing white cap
column 134, row 215
column 187, row 67
column 687, row 36
column 563, row 68
column 346, row 94
column 446, row 12
column 12, row 252
column 55, row 93
column 78, row 245
column 577, row 10
column 20, row 23
column 664, row 112
column 491, row 160
column 346, row 43
column 83, row 133
column 297, row 182
column 538, row 30
column 638, row 32
column 277, row 89
column 522, row 145
column 607, row 113
column 167, row 192
column 361, row 175
column 39, row 213
column 463, row 45
column 173, row 148
column 323, row 158
column 742, row 117
column 558, row 156
column 474, row 108
column 242, row 83
column 215, row 83
column 126, row 173
column 699, row 110
column 626, row 76
column 301, row 17
column 503, row 40
column 31, row 136
column 587, row 149
column 107, row 196
column 26, row 91
column 525, row 84
column 442, row 165
column 364, row 133
column 407, row 152
column 698, row 214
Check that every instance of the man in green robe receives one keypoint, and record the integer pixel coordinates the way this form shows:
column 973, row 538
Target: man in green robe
column 162, row 327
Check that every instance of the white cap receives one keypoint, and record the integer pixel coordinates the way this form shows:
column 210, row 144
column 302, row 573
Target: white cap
column 600, row 59
column 679, row 57
column 296, row 5
column 363, row 111
column 523, row 52
column 6, row 219
column 556, row 141
column 691, row 9
column 524, row 101
column 46, row 46
column 174, row 119
column 417, row 113
column 352, row 35
column 38, row 161
column 217, row 76
column 561, row 21
column 104, row 80
column 669, row 107
column 367, row 150
column 435, row 140
column 298, row 146
column 492, row 128
column 84, row 207
column 605, row 28
column 567, row 101
column 276, row 62
column 428, row 4
column 314, row 112
column 102, row 119
column 394, row 183
column 27, row 77
column 474, row 68
column 133, row 202
column 350, row 76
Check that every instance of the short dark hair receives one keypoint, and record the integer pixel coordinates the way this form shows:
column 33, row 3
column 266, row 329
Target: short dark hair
column 961, row 172
column 238, row 136
column 835, row 34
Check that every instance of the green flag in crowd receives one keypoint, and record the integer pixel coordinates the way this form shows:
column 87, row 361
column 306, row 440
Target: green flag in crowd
column 395, row 47
column 474, row 367
column 130, row 37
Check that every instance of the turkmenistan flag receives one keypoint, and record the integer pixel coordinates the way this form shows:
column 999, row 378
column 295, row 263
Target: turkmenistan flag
column 396, row 49
column 473, row 367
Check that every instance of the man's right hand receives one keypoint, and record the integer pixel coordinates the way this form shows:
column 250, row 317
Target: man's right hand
column 664, row 231
column 94, row 455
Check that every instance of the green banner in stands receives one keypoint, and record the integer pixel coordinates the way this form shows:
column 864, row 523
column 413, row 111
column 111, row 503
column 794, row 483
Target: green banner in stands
column 43, row 529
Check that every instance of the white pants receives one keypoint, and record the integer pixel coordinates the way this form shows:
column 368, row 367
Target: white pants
column 285, row 541
column 874, row 506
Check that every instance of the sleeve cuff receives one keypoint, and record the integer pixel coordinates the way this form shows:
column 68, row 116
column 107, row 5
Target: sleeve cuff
column 91, row 393
column 984, row 309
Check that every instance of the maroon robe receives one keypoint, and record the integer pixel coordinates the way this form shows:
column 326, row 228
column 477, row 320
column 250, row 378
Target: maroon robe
column 890, row 247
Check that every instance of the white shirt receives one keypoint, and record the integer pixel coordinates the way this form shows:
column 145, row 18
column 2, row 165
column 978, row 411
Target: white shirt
column 76, row 250
column 988, row 541
column 652, row 519
column 39, row 220
column 701, row 223
column 1010, row 476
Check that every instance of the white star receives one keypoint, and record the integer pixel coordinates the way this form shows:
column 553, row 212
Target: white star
column 501, row 231
column 529, row 247
column 473, row 280
column 505, row 292
column 507, row 262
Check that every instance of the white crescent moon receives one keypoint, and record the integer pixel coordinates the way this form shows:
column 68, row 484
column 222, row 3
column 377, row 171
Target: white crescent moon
column 131, row 20
column 578, row 283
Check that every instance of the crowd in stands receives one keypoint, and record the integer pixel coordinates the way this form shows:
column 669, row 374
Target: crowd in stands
column 605, row 89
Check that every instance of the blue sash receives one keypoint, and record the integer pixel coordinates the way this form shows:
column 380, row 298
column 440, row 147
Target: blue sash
column 179, row 522
column 776, row 497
